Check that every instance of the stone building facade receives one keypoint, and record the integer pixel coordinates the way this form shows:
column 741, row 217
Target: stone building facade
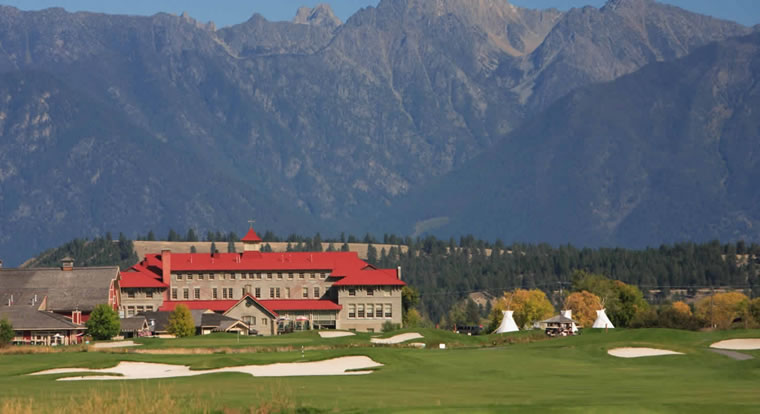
column 271, row 292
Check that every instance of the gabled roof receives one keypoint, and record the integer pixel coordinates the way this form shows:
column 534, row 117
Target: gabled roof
column 140, row 279
column 273, row 306
column 250, row 300
column 25, row 318
column 251, row 236
column 80, row 288
column 558, row 319
column 133, row 323
column 371, row 277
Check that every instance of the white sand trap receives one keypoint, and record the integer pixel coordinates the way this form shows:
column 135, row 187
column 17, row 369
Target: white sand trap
column 125, row 370
column 640, row 352
column 738, row 344
column 397, row 339
column 117, row 344
column 335, row 334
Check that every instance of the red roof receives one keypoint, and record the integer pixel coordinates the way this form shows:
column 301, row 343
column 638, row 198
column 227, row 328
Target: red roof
column 338, row 263
column 371, row 277
column 279, row 305
column 273, row 305
column 140, row 280
column 214, row 305
column 251, row 236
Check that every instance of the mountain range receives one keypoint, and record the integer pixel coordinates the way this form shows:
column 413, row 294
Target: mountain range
column 620, row 125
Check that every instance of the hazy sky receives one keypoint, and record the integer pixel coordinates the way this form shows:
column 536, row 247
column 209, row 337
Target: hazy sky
column 228, row 12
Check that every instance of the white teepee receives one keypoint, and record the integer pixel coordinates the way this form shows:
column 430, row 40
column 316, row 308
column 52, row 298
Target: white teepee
column 602, row 321
column 569, row 315
column 507, row 323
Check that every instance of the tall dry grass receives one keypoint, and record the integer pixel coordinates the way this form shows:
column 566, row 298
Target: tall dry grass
column 276, row 398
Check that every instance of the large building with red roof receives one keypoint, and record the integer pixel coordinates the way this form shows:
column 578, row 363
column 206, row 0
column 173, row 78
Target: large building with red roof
column 271, row 292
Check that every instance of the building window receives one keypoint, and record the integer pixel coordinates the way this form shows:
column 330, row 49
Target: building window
column 258, row 293
column 323, row 275
column 139, row 309
column 174, row 293
column 305, row 292
column 215, row 293
column 149, row 308
column 211, row 276
column 190, row 276
column 131, row 293
column 258, row 276
column 316, row 293
column 287, row 293
column 200, row 276
column 245, row 291
column 269, row 275
column 351, row 292
column 179, row 276
column 264, row 321
column 290, row 276
column 370, row 292
column 130, row 311
column 271, row 293
column 197, row 293
column 244, row 276
column 277, row 293
column 387, row 291
column 351, row 311
column 301, row 275
column 224, row 293
column 388, row 311
column 186, row 293
column 279, row 275
column 313, row 275
column 360, row 313
column 379, row 311
column 370, row 310
column 149, row 293
column 222, row 276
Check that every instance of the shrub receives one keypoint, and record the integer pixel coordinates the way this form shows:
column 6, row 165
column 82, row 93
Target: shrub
column 389, row 326
column 103, row 323
column 181, row 322
column 6, row 332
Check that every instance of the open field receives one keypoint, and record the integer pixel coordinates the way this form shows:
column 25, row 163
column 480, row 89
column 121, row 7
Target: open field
column 559, row 375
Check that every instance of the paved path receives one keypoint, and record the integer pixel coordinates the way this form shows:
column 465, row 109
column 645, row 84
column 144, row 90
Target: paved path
column 733, row 355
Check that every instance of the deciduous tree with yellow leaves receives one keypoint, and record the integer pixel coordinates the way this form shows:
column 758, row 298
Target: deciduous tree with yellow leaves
column 529, row 306
column 584, row 305
column 721, row 309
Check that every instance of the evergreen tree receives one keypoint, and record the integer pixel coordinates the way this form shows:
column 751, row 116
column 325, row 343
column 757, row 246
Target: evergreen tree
column 191, row 236
column 151, row 236
column 213, row 248
column 231, row 246
column 344, row 247
column 173, row 236
column 371, row 254
column 331, row 247
column 193, row 249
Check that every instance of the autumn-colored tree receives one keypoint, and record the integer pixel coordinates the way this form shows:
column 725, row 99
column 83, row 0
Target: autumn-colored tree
column 622, row 301
column 584, row 305
column 529, row 306
column 181, row 322
column 721, row 309
column 681, row 307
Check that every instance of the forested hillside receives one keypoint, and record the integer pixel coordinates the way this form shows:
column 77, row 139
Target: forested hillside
column 446, row 272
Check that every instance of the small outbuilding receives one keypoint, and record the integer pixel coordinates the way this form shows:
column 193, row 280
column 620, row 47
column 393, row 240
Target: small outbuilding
column 559, row 325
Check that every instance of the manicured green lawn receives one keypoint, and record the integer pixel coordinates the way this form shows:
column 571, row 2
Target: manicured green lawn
column 558, row 375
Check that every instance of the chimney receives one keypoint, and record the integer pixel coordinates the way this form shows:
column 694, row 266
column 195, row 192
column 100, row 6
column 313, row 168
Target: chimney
column 166, row 265
column 67, row 264
column 398, row 272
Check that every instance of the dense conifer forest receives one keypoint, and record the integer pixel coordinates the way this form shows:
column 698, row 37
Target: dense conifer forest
column 446, row 272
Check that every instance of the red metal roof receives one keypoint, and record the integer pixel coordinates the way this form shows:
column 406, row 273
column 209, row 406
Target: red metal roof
column 338, row 263
column 371, row 277
column 279, row 305
column 140, row 280
column 273, row 305
column 251, row 236
column 214, row 305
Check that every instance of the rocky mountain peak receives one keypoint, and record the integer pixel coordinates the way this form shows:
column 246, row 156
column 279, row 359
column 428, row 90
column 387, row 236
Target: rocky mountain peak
column 320, row 15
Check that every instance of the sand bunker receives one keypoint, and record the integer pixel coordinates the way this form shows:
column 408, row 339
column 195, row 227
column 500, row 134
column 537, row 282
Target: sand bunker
column 640, row 352
column 351, row 365
column 738, row 344
column 335, row 334
column 397, row 339
column 118, row 344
